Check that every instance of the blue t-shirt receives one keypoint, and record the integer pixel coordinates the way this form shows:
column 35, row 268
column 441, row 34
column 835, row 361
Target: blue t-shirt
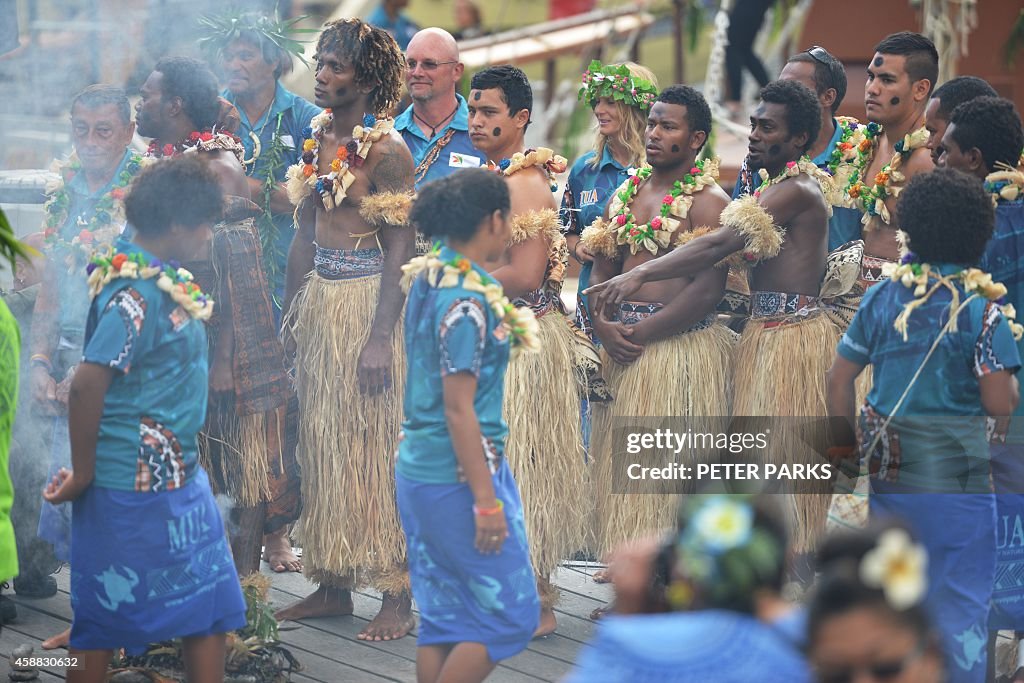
column 1003, row 257
column 156, row 403
column 588, row 190
column 402, row 29
column 937, row 440
column 457, row 154
column 71, row 287
column 450, row 330
column 286, row 119
column 844, row 225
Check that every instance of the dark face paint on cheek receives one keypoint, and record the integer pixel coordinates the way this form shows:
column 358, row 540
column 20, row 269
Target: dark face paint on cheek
column 894, row 101
column 675, row 148
column 879, row 61
column 496, row 132
column 341, row 92
column 774, row 149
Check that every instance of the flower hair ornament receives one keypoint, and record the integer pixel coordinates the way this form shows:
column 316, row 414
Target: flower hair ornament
column 898, row 567
column 721, row 555
column 618, row 84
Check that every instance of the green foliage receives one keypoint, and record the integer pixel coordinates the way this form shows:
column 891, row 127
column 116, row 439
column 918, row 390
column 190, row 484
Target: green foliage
column 259, row 615
column 1015, row 41
column 10, row 248
column 220, row 30
column 269, row 233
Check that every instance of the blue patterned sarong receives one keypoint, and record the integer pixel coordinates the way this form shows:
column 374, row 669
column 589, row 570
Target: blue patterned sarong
column 464, row 596
column 149, row 567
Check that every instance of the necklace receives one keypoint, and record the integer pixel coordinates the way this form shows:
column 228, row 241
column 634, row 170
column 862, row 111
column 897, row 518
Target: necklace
column 887, row 182
column 792, row 169
column 1007, row 183
column 543, row 157
column 198, row 141
column 519, row 321
column 657, row 233
column 433, row 128
column 332, row 187
column 171, row 278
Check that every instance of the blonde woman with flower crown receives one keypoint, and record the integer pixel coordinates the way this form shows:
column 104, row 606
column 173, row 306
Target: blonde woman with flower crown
column 944, row 360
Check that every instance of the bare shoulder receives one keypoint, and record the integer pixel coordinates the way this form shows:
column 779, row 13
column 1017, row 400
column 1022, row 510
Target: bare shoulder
column 529, row 189
column 919, row 161
column 707, row 206
column 390, row 164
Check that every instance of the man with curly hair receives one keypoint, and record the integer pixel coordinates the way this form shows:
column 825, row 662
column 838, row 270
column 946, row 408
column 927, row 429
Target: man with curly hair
column 343, row 300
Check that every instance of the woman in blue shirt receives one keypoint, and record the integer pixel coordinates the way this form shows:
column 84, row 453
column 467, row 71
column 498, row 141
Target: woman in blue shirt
column 149, row 557
column 944, row 358
column 621, row 117
column 469, row 563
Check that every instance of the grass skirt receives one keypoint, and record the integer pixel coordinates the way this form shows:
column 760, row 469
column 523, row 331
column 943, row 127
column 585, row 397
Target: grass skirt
column 350, row 530
column 545, row 445
column 779, row 371
column 683, row 378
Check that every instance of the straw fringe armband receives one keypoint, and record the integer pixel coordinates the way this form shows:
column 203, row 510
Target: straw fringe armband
column 531, row 224
column 763, row 237
column 599, row 239
column 386, row 209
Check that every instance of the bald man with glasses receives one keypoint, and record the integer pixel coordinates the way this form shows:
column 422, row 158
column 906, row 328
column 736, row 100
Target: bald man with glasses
column 435, row 126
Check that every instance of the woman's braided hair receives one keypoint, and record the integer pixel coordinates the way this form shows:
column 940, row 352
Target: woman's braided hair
column 375, row 56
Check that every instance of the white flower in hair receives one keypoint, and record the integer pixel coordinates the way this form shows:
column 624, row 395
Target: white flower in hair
column 899, row 567
column 723, row 524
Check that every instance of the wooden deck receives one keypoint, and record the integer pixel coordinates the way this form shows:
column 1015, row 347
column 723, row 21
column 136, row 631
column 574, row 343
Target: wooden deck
column 328, row 648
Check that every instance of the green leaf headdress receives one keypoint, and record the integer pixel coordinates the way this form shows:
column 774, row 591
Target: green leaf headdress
column 618, row 84
column 220, row 30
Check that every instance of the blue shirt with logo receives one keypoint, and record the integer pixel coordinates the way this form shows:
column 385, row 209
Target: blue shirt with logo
column 450, row 330
column 457, row 153
column 156, row 403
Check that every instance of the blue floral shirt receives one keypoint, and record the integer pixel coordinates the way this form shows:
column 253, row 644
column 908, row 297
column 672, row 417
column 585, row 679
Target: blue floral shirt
column 286, row 119
column 448, row 331
column 156, row 403
column 457, row 154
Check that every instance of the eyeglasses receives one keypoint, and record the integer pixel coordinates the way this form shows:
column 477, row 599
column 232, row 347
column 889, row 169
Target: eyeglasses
column 426, row 65
column 820, row 55
column 883, row 671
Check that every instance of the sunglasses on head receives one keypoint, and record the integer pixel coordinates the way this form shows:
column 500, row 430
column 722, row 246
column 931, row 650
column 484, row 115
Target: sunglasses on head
column 881, row 671
column 819, row 54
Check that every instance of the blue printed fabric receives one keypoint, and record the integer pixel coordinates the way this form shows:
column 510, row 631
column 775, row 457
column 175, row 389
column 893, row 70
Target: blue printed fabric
column 286, row 119
column 708, row 646
column 959, row 532
column 450, row 330
column 1008, row 587
column 149, row 567
column 462, row 594
column 457, row 154
column 156, row 403
column 844, row 225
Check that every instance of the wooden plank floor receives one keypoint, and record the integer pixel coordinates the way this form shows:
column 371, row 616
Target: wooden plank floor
column 328, row 648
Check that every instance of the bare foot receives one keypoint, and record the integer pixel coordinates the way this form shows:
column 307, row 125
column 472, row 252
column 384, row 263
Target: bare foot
column 277, row 552
column 58, row 641
column 602, row 611
column 602, row 576
column 324, row 602
column 394, row 620
column 548, row 623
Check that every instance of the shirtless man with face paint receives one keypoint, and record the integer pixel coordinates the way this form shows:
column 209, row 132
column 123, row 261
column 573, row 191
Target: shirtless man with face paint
column 542, row 390
column 352, row 186
column 780, row 233
column 901, row 77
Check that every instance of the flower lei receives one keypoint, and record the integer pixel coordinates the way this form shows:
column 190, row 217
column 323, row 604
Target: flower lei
column 657, row 232
column 198, row 141
column 107, row 216
column 887, row 181
column 912, row 273
column 171, row 278
column 302, row 177
column 618, row 84
column 1006, row 183
column 543, row 157
column 851, row 134
column 792, row 169
column 519, row 321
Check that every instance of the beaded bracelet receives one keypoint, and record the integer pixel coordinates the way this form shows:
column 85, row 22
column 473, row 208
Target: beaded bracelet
column 487, row 512
column 40, row 360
